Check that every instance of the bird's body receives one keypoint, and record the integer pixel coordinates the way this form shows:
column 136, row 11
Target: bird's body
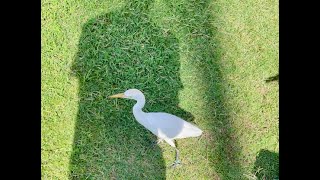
column 165, row 126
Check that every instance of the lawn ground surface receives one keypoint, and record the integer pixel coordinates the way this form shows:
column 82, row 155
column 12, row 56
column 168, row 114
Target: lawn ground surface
column 205, row 61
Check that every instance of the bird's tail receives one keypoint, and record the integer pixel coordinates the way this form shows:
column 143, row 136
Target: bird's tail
column 190, row 132
column 197, row 132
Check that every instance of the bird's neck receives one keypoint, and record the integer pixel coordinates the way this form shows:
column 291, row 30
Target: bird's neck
column 137, row 110
column 140, row 104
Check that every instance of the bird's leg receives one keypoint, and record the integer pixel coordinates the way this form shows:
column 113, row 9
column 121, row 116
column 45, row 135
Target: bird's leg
column 158, row 141
column 177, row 161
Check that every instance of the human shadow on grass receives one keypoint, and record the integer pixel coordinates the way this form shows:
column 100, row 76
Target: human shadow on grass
column 118, row 51
column 266, row 165
column 204, row 55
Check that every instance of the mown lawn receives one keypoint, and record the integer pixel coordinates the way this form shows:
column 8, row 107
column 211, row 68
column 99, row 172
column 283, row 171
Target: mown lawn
column 205, row 61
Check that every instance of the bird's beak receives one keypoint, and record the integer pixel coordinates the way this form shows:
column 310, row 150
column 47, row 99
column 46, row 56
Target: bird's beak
column 121, row 95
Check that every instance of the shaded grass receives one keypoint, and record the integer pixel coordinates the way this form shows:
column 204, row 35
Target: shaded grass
column 267, row 165
column 209, row 58
column 117, row 51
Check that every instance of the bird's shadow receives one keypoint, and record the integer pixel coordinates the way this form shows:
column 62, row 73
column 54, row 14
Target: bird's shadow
column 118, row 51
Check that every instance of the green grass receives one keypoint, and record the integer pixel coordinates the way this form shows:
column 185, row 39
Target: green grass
column 205, row 61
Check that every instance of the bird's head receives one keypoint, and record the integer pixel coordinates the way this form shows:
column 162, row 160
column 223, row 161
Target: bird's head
column 129, row 94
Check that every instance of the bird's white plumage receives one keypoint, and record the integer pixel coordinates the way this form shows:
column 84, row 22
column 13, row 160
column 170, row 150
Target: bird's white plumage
column 166, row 126
column 172, row 126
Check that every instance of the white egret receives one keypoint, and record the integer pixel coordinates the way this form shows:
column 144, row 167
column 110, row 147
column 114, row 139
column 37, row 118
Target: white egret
column 165, row 126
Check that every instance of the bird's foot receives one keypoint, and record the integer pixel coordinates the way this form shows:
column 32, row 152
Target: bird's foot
column 176, row 163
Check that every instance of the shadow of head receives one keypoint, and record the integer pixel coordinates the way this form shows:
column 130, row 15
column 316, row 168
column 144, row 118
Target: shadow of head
column 267, row 165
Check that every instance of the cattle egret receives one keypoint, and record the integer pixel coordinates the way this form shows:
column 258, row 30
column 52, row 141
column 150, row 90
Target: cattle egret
column 165, row 126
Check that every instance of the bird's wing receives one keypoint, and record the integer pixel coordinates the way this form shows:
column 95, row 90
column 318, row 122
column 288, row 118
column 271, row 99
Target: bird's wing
column 172, row 126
